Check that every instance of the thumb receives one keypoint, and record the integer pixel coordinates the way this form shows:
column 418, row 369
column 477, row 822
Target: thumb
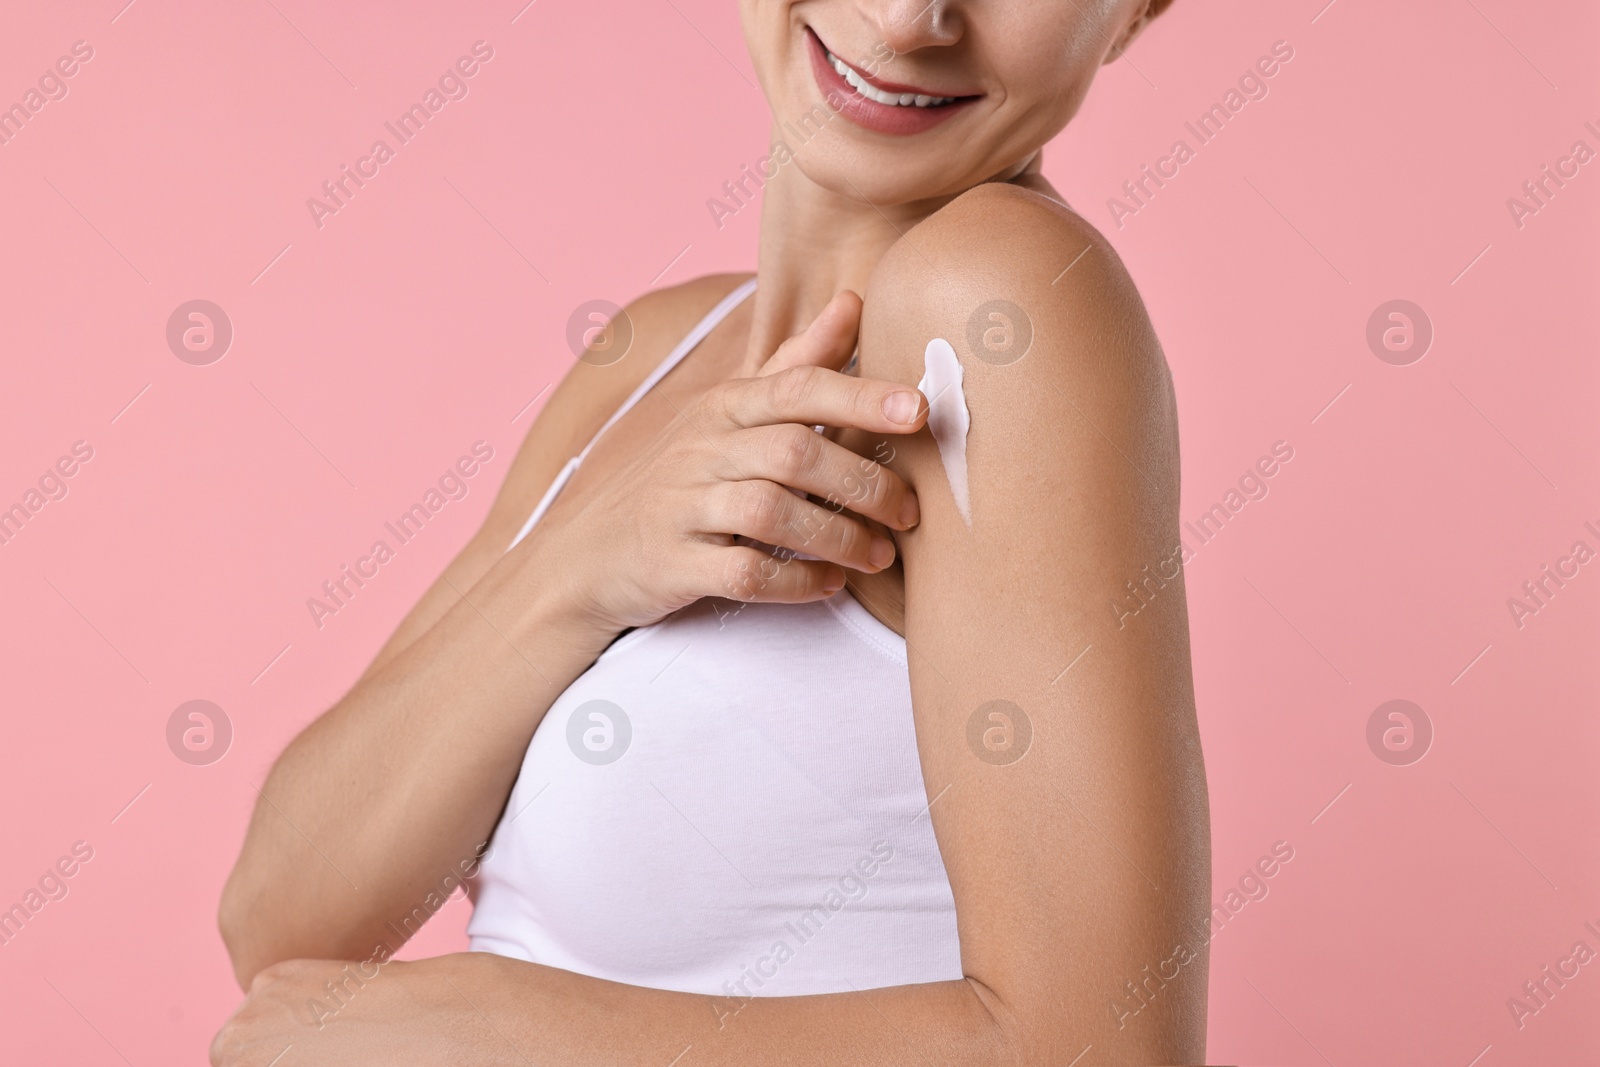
column 828, row 342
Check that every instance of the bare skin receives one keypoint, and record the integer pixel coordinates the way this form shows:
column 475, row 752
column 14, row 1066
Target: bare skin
column 1079, row 869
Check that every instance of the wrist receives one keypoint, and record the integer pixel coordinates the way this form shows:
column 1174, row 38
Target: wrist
column 537, row 600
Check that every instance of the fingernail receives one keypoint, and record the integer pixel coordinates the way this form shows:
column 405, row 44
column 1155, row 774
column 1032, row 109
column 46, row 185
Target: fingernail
column 881, row 553
column 910, row 511
column 834, row 581
column 901, row 407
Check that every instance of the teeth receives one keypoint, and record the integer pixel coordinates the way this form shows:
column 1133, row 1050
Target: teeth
column 872, row 92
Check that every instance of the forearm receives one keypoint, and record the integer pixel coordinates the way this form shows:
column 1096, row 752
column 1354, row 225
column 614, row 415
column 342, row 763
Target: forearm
column 485, row 1009
column 473, row 1007
column 515, row 1012
column 398, row 785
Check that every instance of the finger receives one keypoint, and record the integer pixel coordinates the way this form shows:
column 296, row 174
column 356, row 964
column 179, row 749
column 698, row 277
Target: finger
column 749, row 574
column 827, row 342
column 767, row 512
column 795, row 456
column 816, row 396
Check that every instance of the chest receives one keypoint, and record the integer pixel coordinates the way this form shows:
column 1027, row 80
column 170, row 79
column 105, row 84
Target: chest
column 710, row 782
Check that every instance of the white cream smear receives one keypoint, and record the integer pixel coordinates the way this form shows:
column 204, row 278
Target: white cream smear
column 948, row 418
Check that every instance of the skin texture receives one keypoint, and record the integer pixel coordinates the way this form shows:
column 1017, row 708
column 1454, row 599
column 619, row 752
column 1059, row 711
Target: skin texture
column 1078, row 869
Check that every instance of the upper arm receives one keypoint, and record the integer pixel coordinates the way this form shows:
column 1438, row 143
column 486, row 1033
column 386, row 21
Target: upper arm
column 1078, row 855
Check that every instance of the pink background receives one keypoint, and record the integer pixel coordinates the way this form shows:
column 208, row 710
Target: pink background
column 430, row 313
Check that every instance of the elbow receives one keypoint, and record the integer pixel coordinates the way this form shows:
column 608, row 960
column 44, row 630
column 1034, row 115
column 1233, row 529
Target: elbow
column 242, row 938
column 994, row 1035
column 235, row 939
column 1023, row 1029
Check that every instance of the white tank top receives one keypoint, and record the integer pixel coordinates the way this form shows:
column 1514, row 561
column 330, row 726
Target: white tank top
column 728, row 802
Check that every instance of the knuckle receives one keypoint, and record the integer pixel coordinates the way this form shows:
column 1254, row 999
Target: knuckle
column 810, row 582
column 722, row 401
column 794, row 387
column 812, row 524
column 267, row 977
column 795, row 451
column 846, row 487
column 801, row 583
column 277, row 974
column 740, row 579
column 866, row 403
column 855, row 487
column 222, row 1045
column 760, row 510
column 876, row 484
column 853, row 539
column 786, row 348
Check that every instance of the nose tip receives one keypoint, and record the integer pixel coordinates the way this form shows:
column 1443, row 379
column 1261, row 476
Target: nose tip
column 907, row 25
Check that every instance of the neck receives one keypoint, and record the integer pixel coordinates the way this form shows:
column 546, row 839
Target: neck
column 815, row 242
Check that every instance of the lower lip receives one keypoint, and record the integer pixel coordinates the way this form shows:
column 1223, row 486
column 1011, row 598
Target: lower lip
column 883, row 118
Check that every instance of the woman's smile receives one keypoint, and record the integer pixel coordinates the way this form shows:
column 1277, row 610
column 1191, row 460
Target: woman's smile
column 882, row 106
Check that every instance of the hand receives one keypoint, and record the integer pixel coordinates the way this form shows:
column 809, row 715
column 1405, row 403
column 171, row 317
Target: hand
column 662, row 531
column 336, row 1012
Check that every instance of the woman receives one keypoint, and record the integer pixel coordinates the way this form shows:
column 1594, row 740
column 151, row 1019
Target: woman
column 954, row 811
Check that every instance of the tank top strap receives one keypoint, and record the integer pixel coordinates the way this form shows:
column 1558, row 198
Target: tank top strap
column 673, row 358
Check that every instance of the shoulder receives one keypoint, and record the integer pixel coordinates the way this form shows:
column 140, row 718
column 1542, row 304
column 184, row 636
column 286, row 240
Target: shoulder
column 653, row 323
column 997, row 245
column 591, row 389
column 1058, row 355
column 662, row 317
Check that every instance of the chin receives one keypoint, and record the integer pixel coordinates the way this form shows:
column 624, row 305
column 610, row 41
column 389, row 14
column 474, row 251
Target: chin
column 863, row 136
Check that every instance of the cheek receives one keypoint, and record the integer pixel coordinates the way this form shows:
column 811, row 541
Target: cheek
column 1042, row 98
column 781, row 66
column 1059, row 51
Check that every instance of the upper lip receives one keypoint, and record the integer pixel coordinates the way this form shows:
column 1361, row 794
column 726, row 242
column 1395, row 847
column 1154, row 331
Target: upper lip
column 880, row 83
